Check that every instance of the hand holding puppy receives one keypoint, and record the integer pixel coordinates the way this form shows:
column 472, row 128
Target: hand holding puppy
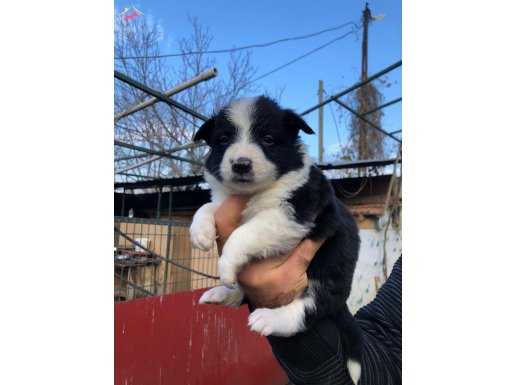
column 269, row 282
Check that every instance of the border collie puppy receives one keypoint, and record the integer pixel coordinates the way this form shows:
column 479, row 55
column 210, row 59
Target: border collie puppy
column 256, row 151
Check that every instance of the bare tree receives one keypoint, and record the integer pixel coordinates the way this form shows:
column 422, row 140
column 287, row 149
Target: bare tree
column 159, row 126
column 366, row 141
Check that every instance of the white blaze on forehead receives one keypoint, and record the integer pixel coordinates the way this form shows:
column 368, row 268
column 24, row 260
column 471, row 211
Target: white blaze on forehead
column 240, row 113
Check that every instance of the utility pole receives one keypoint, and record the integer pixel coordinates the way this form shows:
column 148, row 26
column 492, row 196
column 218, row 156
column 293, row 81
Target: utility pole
column 321, row 122
column 363, row 152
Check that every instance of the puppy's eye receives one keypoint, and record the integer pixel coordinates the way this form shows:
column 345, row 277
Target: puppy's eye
column 224, row 139
column 268, row 140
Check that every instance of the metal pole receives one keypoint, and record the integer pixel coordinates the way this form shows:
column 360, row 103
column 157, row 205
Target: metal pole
column 321, row 122
column 382, row 106
column 353, row 87
column 168, row 241
column 159, row 95
column 357, row 164
column 131, row 157
column 135, row 175
column 154, row 158
column 202, row 77
column 123, row 202
column 175, row 149
column 186, row 146
column 154, row 152
column 367, row 121
column 363, row 145
column 158, row 211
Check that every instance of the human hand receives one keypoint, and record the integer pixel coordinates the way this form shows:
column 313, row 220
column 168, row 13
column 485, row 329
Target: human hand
column 270, row 282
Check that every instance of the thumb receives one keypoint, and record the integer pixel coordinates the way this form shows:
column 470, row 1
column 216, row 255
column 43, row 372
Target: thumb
column 303, row 254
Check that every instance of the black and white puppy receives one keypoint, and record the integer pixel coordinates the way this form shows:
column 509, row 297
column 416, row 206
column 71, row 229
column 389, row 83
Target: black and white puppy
column 256, row 150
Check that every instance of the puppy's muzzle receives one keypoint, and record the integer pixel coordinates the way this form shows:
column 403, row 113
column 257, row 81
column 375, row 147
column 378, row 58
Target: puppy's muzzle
column 242, row 166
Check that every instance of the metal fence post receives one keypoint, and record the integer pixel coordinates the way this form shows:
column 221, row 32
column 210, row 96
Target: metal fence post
column 122, row 214
column 168, row 241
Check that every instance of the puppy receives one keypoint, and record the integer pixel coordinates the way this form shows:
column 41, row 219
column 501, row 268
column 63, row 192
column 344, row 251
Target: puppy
column 256, row 151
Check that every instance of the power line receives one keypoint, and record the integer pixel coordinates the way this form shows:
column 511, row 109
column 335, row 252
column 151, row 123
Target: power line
column 336, row 125
column 300, row 57
column 258, row 45
column 291, row 62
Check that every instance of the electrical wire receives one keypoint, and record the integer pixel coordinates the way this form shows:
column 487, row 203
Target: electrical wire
column 303, row 56
column 336, row 126
column 235, row 49
column 347, row 145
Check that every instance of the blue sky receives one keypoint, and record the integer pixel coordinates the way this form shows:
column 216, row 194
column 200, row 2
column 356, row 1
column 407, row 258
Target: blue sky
column 338, row 65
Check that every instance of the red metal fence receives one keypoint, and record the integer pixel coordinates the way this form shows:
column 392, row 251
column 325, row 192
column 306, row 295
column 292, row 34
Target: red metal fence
column 171, row 340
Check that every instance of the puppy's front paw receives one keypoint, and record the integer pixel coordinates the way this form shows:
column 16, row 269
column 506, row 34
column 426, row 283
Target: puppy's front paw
column 203, row 234
column 222, row 295
column 276, row 322
column 227, row 272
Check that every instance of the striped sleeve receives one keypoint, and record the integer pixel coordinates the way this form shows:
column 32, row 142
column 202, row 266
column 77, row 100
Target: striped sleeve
column 381, row 324
column 317, row 356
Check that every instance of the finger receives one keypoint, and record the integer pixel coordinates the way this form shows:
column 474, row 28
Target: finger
column 302, row 255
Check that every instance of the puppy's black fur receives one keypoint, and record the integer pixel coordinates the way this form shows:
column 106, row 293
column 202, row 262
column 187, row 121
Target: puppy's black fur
column 334, row 263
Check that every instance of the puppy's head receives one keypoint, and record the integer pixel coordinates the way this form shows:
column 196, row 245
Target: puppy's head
column 253, row 142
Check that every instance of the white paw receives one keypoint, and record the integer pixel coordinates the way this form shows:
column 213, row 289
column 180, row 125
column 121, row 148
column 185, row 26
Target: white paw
column 223, row 296
column 228, row 273
column 276, row 322
column 354, row 370
column 203, row 234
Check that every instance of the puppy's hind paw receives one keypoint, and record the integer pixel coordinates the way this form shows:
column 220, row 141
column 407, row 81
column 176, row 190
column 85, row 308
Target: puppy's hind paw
column 276, row 322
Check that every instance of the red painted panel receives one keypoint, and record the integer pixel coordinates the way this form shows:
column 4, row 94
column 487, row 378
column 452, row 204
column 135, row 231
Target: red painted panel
column 171, row 340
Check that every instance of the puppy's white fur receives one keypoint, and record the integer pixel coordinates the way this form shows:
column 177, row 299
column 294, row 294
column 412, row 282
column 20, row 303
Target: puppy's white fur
column 202, row 229
column 240, row 113
column 223, row 296
column 354, row 368
column 263, row 170
column 283, row 321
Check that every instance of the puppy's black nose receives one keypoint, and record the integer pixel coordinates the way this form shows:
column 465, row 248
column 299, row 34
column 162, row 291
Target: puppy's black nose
column 242, row 166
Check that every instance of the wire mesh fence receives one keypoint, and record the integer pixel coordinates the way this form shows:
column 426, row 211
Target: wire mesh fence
column 155, row 257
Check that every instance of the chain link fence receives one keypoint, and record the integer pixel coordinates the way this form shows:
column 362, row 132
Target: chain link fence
column 155, row 257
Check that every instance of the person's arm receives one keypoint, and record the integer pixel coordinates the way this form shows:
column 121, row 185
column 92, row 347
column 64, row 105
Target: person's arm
column 268, row 282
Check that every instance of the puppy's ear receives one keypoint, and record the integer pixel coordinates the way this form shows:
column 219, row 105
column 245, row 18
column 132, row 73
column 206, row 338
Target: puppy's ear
column 205, row 130
column 294, row 122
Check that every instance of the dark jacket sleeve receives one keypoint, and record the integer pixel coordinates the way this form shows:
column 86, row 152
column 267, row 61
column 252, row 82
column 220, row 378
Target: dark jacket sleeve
column 318, row 356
